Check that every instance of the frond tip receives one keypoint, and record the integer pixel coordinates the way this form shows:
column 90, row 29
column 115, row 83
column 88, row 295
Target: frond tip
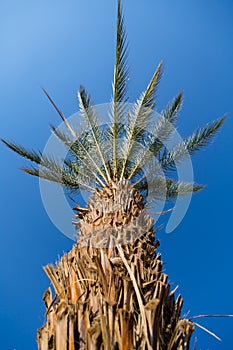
column 72, row 132
column 147, row 99
column 199, row 139
column 121, row 73
column 169, row 188
column 31, row 155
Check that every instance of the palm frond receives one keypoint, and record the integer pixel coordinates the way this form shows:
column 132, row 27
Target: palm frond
column 147, row 99
column 170, row 113
column 163, row 129
column 77, row 153
column 120, row 82
column 84, row 138
column 88, row 114
column 22, row 151
column 139, row 119
column 81, row 149
column 164, row 126
column 142, row 157
column 89, row 160
column 72, row 132
column 35, row 157
column 121, row 75
column 82, row 174
column 52, row 170
column 62, row 136
column 50, row 175
column 64, row 176
column 54, row 177
column 169, row 188
column 188, row 146
column 180, row 188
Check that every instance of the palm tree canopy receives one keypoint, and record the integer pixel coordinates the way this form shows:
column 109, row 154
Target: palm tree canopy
column 123, row 149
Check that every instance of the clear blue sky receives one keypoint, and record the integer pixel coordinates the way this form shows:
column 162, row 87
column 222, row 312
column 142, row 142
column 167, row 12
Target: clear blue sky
column 62, row 44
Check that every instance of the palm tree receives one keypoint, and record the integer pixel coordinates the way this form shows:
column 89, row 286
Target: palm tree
column 110, row 289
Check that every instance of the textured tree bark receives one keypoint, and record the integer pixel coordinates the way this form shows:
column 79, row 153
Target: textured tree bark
column 113, row 297
column 96, row 306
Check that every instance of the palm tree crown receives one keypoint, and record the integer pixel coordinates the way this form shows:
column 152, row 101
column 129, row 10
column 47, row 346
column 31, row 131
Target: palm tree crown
column 124, row 149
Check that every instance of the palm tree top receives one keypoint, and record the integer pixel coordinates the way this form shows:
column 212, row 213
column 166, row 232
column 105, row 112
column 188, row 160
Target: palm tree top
column 124, row 149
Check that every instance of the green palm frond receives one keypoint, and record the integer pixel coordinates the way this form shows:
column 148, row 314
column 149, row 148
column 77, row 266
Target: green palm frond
column 45, row 174
column 80, row 146
column 70, row 176
column 179, row 188
column 143, row 157
column 120, row 83
column 35, row 157
column 32, row 155
column 61, row 177
column 170, row 113
column 61, row 135
column 188, row 146
column 147, row 99
column 90, row 161
column 139, row 119
column 83, row 175
column 141, row 113
column 71, row 145
column 74, row 151
column 81, row 150
column 88, row 114
column 169, row 188
column 121, row 75
column 164, row 126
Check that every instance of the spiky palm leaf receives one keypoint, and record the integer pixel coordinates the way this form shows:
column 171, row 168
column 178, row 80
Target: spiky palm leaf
column 120, row 82
column 166, row 123
column 191, row 144
column 121, row 75
column 168, row 187
column 139, row 119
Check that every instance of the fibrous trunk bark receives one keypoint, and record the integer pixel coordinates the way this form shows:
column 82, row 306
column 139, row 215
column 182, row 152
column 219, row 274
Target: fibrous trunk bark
column 113, row 297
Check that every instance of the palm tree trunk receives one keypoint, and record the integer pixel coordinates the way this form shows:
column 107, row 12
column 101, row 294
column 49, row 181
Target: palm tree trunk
column 96, row 305
column 110, row 296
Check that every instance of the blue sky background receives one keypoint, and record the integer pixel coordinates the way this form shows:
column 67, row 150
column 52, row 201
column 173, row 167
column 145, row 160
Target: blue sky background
column 60, row 45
